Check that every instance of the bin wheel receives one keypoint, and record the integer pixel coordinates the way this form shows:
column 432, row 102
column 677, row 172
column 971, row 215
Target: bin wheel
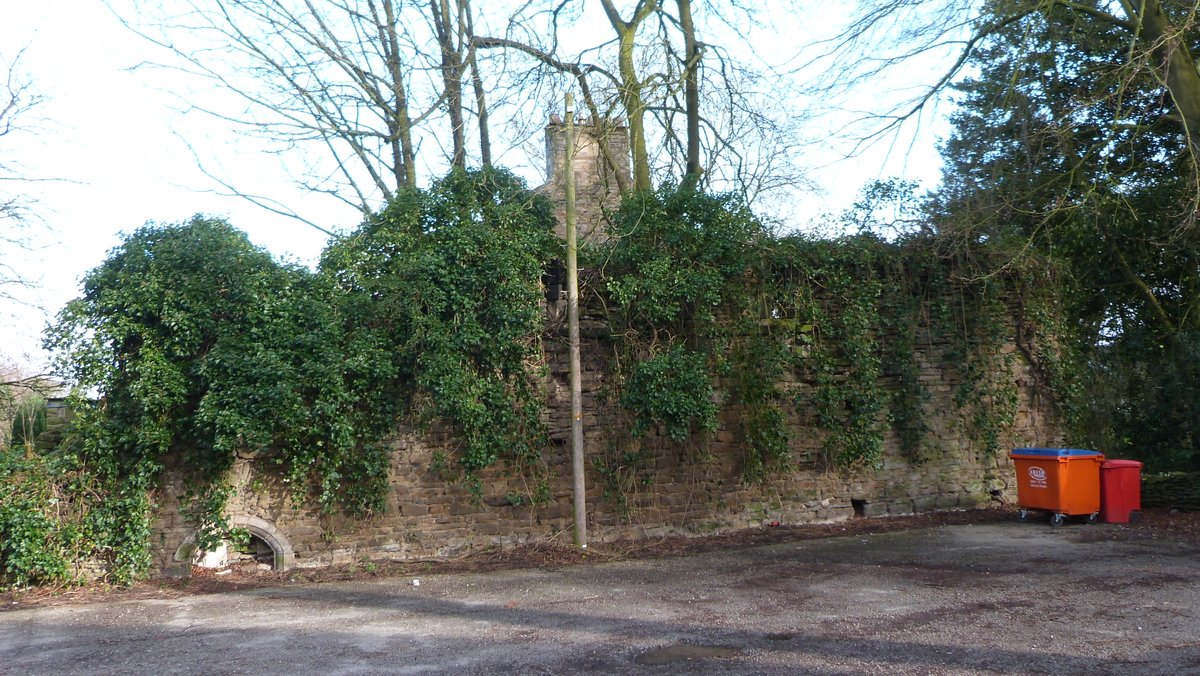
column 1057, row 520
column 1023, row 515
column 1094, row 517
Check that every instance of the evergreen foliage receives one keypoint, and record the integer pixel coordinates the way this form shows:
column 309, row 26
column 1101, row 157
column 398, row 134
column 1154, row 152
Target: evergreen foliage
column 1060, row 154
column 42, row 529
column 679, row 277
column 190, row 348
column 441, row 299
column 700, row 292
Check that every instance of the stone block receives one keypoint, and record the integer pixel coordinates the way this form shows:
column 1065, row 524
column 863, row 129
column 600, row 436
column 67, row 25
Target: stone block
column 873, row 509
column 924, row 503
column 299, row 532
column 340, row 557
column 413, row 509
column 946, row 501
column 974, row 500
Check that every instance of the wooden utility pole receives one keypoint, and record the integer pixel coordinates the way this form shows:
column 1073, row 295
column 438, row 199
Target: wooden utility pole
column 573, row 334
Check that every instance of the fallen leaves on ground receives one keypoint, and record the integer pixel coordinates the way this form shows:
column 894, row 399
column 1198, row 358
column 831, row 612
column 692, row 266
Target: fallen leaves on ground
column 1154, row 524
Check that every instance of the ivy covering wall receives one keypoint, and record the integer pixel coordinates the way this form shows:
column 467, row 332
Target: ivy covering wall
column 190, row 347
column 698, row 292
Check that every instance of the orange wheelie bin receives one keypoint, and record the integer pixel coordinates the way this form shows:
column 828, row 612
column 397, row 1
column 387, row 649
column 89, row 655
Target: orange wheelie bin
column 1060, row 481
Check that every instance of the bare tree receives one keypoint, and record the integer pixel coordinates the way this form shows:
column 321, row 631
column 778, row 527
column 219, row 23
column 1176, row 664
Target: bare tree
column 694, row 110
column 364, row 82
column 691, row 86
column 467, row 25
column 454, row 26
column 887, row 35
column 744, row 132
column 631, row 86
column 17, row 99
column 374, row 89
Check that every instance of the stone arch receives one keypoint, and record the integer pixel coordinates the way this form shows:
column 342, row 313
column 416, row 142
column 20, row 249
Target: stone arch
column 285, row 558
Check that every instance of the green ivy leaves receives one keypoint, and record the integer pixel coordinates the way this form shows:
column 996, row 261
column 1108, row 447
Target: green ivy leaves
column 190, row 346
column 673, row 388
column 442, row 301
column 35, row 542
column 699, row 291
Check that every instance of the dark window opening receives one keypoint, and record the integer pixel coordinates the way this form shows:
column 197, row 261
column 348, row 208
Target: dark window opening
column 860, row 507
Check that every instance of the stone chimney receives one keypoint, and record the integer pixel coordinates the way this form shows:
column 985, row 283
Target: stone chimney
column 596, row 186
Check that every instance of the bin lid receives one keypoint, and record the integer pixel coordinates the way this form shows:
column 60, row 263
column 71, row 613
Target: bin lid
column 1115, row 464
column 1054, row 453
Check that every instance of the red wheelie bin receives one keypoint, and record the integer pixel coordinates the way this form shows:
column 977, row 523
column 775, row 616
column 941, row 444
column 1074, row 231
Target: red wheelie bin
column 1120, row 491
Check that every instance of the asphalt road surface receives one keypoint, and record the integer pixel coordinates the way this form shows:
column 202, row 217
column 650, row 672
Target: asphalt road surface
column 980, row 599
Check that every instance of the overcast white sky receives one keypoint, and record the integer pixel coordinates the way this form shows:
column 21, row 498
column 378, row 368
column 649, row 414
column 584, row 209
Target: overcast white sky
column 112, row 138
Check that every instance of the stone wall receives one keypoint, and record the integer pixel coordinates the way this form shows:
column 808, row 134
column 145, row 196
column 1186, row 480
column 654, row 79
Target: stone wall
column 693, row 488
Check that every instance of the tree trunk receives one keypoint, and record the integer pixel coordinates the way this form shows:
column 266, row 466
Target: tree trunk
column 404, row 168
column 691, row 92
column 1179, row 69
column 631, row 86
column 452, row 70
column 467, row 21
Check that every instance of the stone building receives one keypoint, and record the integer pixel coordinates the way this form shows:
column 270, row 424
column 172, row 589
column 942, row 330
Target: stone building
column 599, row 175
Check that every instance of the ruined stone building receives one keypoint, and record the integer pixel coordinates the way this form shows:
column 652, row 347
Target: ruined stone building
column 428, row 516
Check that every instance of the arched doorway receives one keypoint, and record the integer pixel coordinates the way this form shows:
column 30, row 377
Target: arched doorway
column 266, row 542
